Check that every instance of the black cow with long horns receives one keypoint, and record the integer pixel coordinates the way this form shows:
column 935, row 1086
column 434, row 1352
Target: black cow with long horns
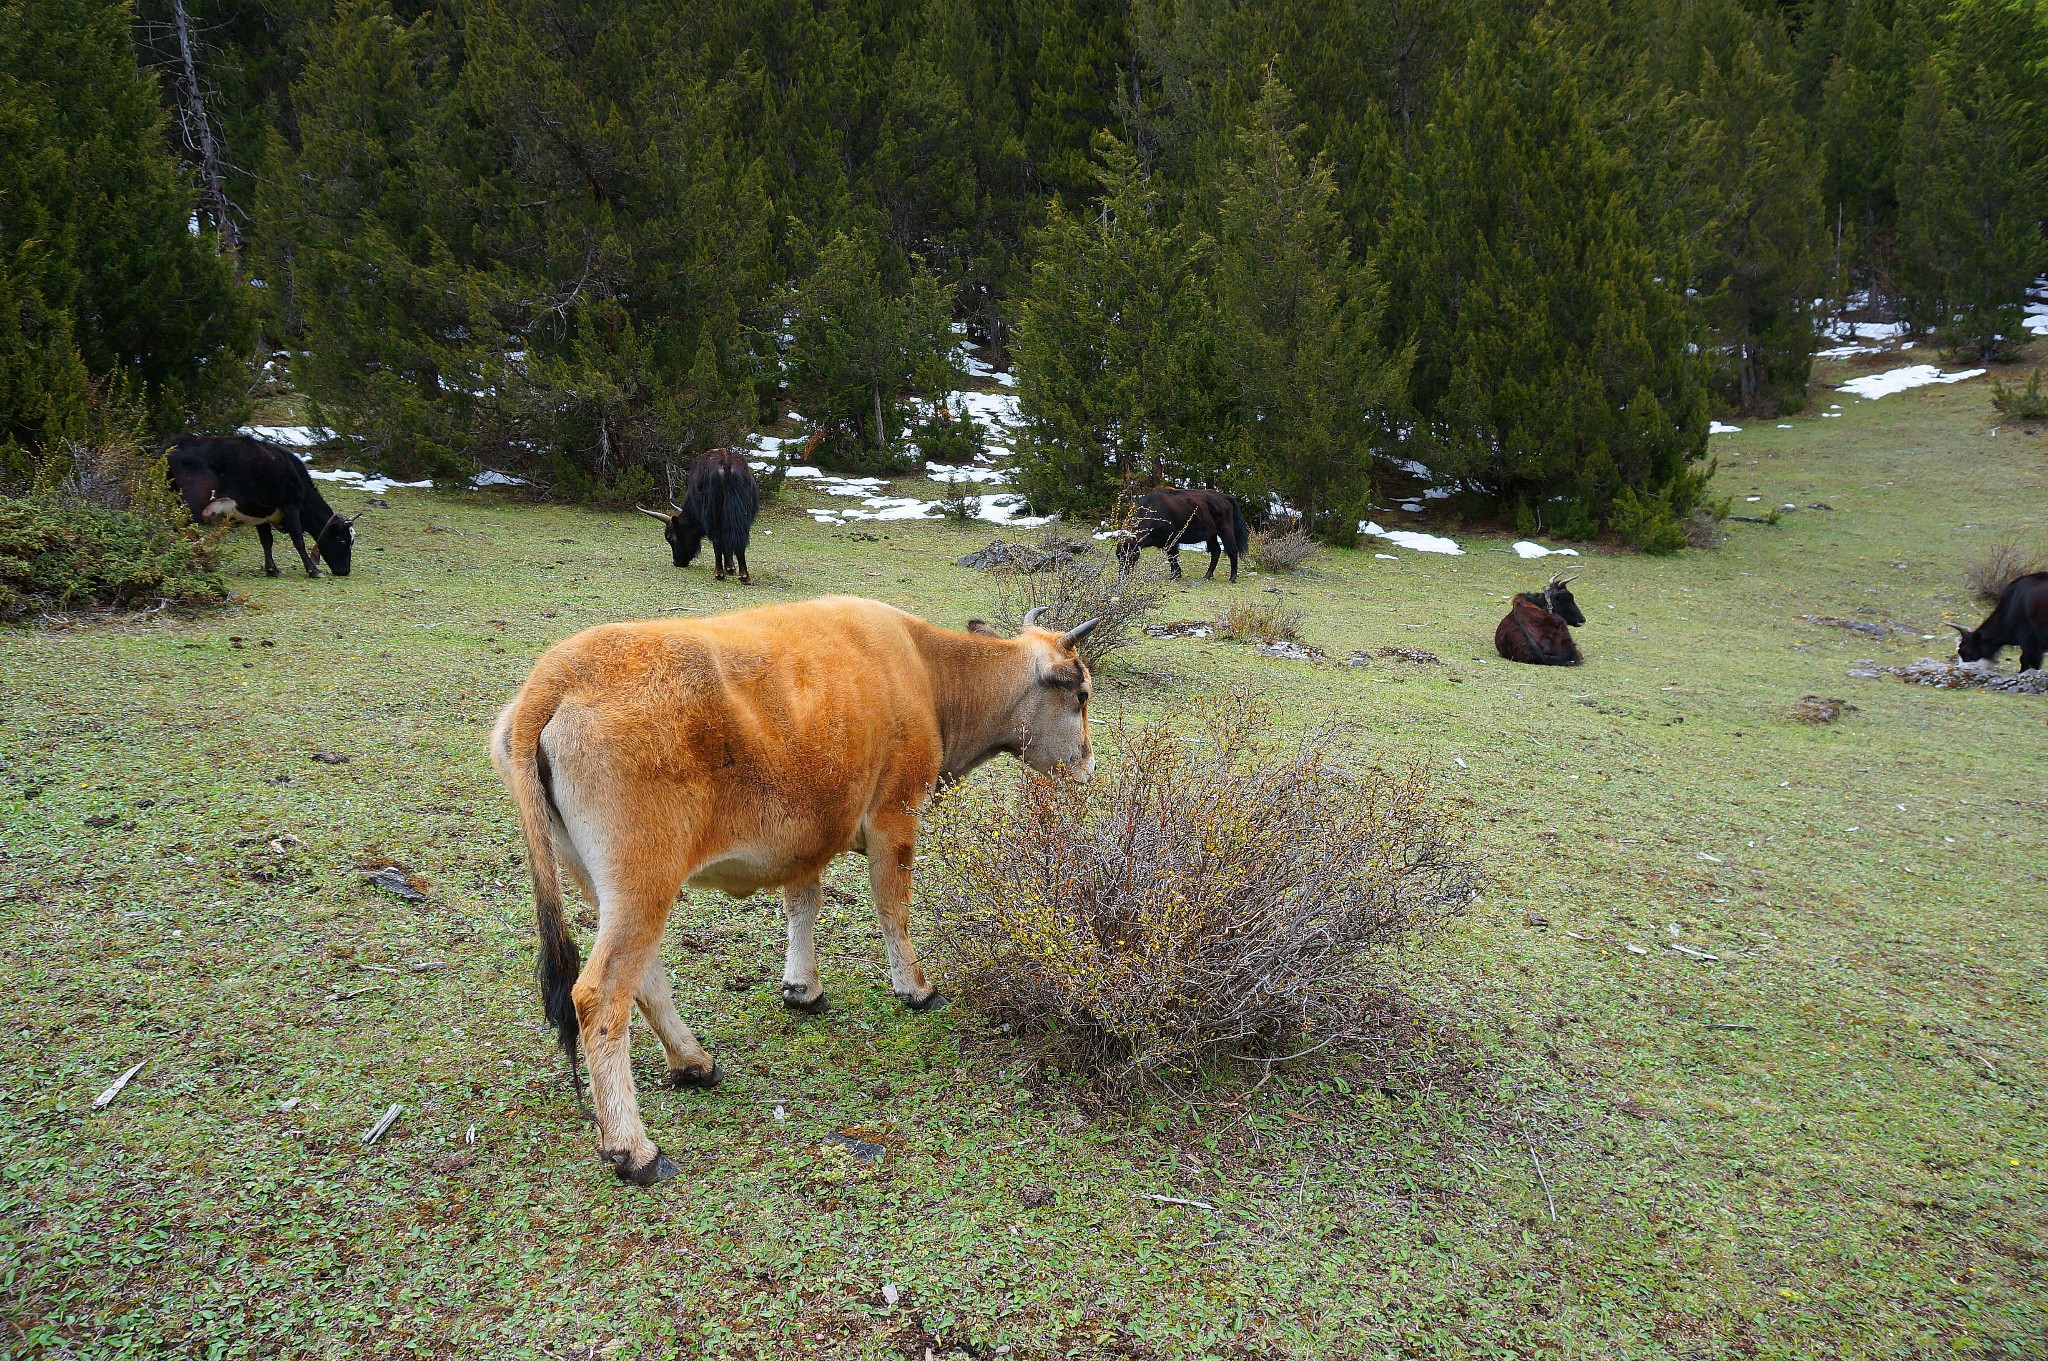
column 2019, row 619
column 1538, row 627
column 719, row 503
column 242, row 480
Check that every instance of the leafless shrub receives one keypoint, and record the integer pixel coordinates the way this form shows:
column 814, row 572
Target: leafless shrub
column 1817, row 710
column 1078, row 589
column 1275, row 550
column 1995, row 566
column 1205, row 895
column 1259, row 621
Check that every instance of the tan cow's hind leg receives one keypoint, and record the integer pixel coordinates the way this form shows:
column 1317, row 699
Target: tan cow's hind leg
column 889, row 856
column 801, row 990
column 689, row 1065
column 628, row 941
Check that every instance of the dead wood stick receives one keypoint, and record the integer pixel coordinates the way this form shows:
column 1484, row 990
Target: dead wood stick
column 106, row 1098
column 376, row 1131
column 1548, row 1199
column 1176, row 1200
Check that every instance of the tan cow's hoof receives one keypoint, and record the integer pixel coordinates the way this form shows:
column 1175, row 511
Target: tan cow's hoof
column 793, row 998
column 931, row 1001
column 696, row 1077
column 655, row 1170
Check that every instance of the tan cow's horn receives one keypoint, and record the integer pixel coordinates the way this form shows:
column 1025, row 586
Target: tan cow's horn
column 1073, row 636
column 655, row 513
column 1957, row 627
column 672, row 502
column 1031, row 617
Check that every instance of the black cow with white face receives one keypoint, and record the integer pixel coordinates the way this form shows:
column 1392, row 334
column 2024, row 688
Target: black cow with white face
column 238, row 479
column 2019, row 619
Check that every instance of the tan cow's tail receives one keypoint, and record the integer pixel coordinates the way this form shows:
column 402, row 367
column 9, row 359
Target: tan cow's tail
column 516, row 752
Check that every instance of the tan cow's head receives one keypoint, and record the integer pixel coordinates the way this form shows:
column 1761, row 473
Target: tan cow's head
column 1050, row 717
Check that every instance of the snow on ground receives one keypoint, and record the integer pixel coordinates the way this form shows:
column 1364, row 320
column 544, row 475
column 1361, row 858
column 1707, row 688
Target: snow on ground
column 373, row 483
column 997, row 412
column 1875, row 385
column 948, row 472
column 1409, row 538
column 998, row 508
column 2037, row 307
column 290, row 436
column 1717, row 428
column 491, row 477
column 1525, row 549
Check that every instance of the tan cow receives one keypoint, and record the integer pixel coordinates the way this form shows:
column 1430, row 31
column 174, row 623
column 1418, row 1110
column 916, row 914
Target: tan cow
column 743, row 752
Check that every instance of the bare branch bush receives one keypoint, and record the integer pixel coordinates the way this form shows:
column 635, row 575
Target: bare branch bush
column 1079, row 588
column 1995, row 566
column 1215, row 890
column 1259, row 621
column 1282, row 550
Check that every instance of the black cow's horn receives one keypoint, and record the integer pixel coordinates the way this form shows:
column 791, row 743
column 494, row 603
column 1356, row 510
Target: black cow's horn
column 655, row 513
column 1031, row 616
column 1073, row 636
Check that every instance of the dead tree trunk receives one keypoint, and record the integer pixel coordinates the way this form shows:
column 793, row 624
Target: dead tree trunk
column 198, row 131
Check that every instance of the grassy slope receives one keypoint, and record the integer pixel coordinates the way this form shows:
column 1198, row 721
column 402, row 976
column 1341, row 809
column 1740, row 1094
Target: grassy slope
column 1861, row 1173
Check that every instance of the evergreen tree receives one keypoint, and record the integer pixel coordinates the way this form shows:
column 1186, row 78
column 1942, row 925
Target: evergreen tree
column 1554, row 371
column 1105, row 346
column 99, row 272
column 1766, row 263
column 1973, row 178
column 856, row 350
column 1296, row 324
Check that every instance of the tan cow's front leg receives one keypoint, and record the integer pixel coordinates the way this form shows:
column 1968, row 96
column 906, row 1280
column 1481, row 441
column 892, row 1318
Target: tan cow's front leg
column 890, row 847
column 628, row 941
column 801, row 990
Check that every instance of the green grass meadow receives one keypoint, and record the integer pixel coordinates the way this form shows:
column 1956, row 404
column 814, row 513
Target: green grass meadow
column 1577, row 1141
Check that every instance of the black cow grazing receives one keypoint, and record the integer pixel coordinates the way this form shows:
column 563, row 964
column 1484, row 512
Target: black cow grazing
column 720, row 505
column 1538, row 627
column 2019, row 619
column 242, row 480
column 1172, row 516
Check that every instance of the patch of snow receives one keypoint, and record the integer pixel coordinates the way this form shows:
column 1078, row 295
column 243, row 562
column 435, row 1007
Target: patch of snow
column 290, row 436
column 1409, row 538
column 373, row 483
column 1717, row 428
column 946, row 472
column 996, row 410
column 1828, row 415
column 2036, row 314
column 1865, row 330
column 1875, row 385
column 1390, row 557
column 1526, row 549
column 491, row 477
column 1783, row 426
column 1411, row 507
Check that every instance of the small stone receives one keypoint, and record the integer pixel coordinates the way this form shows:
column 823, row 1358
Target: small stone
column 1538, row 919
column 1035, row 1196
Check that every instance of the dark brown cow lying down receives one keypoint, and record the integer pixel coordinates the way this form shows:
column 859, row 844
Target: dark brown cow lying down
column 1537, row 628
column 743, row 752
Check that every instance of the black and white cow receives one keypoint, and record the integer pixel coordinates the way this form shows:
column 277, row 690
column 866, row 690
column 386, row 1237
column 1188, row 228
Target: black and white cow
column 239, row 479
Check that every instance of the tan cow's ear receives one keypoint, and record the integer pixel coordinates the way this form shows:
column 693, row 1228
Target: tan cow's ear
column 981, row 627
